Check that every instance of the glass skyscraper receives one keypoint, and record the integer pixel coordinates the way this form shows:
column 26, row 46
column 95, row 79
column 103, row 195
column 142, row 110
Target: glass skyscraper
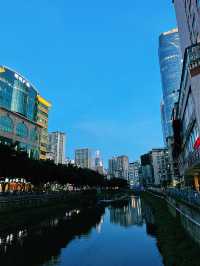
column 170, row 59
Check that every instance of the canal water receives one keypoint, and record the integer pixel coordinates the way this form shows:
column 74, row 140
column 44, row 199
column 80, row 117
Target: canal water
column 122, row 234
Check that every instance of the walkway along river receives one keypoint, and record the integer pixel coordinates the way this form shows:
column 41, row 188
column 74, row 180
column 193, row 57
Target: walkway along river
column 137, row 231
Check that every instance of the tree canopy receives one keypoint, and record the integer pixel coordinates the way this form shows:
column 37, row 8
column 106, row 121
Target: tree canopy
column 17, row 164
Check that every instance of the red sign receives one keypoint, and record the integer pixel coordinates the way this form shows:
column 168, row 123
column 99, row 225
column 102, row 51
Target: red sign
column 197, row 143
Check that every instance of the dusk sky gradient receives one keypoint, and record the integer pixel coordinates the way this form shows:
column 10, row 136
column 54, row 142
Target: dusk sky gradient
column 97, row 62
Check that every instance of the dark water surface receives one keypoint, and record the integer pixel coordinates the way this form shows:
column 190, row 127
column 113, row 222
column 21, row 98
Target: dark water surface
column 123, row 234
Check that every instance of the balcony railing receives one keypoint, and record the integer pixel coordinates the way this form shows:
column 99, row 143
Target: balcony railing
column 190, row 161
column 193, row 59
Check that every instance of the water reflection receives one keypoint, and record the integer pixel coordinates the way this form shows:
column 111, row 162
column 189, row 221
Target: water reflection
column 43, row 242
column 189, row 218
column 147, row 213
column 127, row 213
column 126, row 233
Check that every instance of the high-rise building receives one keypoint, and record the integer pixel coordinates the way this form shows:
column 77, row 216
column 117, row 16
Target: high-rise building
column 83, row 158
column 56, row 147
column 122, row 166
column 147, row 177
column 98, row 163
column 133, row 173
column 112, row 167
column 161, row 166
column 18, row 113
column 43, row 107
column 186, row 123
column 118, row 167
column 170, row 69
column 156, row 167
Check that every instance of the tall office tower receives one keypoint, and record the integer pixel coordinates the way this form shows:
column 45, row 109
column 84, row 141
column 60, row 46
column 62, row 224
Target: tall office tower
column 98, row 163
column 170, row 69
column 133, row 173
column 122, row 167
column 56, row 147
column 161, row 166
column 118, row 167
column 163, row 121
column 83, row 158
column 186, row 148
column 112, row 167
column 97, row 159
column 19, row 110
column 147, row 177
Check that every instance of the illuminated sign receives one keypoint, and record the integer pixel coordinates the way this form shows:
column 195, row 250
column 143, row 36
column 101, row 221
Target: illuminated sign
column 197, row 143
column 2, row 70
column 18, row 77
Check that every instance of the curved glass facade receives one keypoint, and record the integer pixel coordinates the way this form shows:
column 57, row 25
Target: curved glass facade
column 170, row 68
column 17, row 94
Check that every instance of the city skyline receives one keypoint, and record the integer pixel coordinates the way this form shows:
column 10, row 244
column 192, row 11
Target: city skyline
column 72, row 72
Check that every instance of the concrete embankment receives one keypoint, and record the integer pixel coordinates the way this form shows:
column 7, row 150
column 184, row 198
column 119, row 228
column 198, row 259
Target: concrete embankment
column 175, row 244
column 31, row 210
column 13, row 203
column 187, row 213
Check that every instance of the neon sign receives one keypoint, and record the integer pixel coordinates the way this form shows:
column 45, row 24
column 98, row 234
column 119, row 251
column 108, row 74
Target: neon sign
column 18, row 77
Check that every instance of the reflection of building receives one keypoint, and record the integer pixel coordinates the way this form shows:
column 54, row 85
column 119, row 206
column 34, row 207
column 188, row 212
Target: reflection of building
column 56, row 147
column 83, row 158
column 148, row 215
column 127, row 215
column 18, row 113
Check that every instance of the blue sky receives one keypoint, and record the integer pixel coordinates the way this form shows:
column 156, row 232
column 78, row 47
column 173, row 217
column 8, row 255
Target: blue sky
column 97, row 62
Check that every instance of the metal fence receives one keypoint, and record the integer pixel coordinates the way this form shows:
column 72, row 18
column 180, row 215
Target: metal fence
column 186, row 194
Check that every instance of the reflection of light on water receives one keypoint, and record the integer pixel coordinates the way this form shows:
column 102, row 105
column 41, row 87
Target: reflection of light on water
column 7, row 240
column 99, row 225
column 133, row 202
column 139, row 208
column 72, row 212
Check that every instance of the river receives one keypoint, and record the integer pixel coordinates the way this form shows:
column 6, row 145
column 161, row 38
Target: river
column 124, row 234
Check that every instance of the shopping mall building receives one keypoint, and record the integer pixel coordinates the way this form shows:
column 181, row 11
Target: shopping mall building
column 23, row 114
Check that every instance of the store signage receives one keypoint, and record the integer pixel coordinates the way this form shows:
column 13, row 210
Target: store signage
column 197, row 143
column 18, row 77
column 2, row 70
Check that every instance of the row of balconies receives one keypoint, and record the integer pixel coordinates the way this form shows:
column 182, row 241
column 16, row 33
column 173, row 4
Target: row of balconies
column 190, row 163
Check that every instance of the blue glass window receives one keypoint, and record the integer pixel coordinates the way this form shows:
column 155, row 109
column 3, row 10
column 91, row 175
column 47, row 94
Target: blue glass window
column 6, row 124
column 33, row 135
column 22, row 130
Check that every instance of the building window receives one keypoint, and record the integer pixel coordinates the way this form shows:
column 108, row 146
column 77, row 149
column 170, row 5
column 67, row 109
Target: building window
column 22, row 130
column 6, row 124
column 33, row 135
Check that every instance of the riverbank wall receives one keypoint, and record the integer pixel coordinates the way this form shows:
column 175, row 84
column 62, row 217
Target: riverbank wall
column 174, row 241
column 187, row 213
